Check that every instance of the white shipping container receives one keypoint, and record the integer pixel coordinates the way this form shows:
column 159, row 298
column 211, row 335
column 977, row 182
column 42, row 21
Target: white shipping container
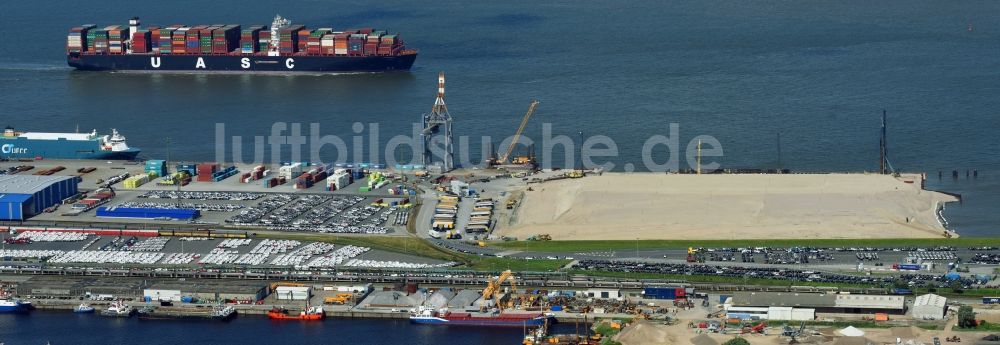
column 162, row 295
column 297, row 293
column 355, row 288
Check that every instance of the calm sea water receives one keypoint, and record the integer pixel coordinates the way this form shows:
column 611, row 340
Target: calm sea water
column 817, row 73
column 59, row 328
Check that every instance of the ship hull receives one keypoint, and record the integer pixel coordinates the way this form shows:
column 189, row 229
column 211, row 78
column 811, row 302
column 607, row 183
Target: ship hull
column 118, row 315
column 61, row 149
column 160, row 316
column 241, row 64
column 13, row 308
column 274, row 315
column 480, row 321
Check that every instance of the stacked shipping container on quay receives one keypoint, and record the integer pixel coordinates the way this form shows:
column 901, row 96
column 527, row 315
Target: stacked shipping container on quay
column 226, row 47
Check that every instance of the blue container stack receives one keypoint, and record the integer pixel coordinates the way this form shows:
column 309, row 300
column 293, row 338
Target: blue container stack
column 192, row 169
column 157, row 166
column 224, row 174
column 663, row 292
column 147, row 213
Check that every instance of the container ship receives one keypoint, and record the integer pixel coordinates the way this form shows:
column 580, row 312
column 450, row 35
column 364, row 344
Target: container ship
column 39, row 145
column 430, row 316
column 280, row 48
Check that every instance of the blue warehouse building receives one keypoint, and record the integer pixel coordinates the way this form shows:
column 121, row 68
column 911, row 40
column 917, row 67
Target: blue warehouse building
column 23, row 196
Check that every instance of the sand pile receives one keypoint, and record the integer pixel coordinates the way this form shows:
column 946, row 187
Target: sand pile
column 660, row 206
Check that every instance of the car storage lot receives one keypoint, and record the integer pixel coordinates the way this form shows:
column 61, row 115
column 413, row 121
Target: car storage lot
column 170, row 251
column 251, row 210
column 221, row 203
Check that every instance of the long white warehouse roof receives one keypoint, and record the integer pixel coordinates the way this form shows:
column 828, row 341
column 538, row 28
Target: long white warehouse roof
column 28, row 184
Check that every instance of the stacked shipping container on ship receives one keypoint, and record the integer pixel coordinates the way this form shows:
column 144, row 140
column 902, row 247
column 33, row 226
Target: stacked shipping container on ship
column 288, row 39
column 249, row 38
column 192, row 39
column 264, row 41
column 372, row 42
column 205, row 39
column 97, row 41
column 77, row 40
column 116, row 37
column 142, row 41
column 303, row 39
column 178, row 44
column 225, row 39
column 314, row 41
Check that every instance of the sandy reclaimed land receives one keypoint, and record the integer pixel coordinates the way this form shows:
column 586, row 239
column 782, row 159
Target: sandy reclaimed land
column 660, row 206
column 648, row 333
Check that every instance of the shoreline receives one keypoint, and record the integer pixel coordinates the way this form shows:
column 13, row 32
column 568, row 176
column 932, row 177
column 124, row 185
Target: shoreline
column 261, row 311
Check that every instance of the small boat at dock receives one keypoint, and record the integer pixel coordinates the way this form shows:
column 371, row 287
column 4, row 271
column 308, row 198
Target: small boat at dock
column 83, row 308
column 14, row 305
column 118, row 309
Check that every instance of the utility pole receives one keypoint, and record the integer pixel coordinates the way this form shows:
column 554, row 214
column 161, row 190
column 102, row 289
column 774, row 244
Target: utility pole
column 699, row 158
column 778, row 140
column 177, row 184
column 883, row 150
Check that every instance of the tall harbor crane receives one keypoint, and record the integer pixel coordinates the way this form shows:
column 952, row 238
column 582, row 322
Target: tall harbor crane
column 884, row 166
column 493, row 287
column 433, row 122
column 528, row 159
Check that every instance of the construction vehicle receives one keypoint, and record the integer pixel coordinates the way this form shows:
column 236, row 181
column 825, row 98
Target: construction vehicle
column 759, row 328
column 511, row 203
column 683, row 303
column 691, row 255
column 575, row 174
column 454, row 235
column 491, row 292
column 481, row 244
column 787, row 331
column 522, row 161
column 540, row 237
column 340, row 299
